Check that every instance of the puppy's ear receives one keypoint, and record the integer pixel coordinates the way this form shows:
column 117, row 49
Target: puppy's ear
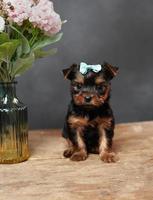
column 69, row 72
column 110, row 71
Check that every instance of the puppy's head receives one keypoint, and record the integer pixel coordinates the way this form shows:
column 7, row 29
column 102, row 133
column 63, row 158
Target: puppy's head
column 91, row 89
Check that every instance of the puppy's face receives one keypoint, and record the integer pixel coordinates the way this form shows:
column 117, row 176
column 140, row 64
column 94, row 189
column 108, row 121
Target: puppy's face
column 92, row 89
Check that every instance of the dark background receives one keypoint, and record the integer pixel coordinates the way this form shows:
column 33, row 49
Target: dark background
column 120, row 32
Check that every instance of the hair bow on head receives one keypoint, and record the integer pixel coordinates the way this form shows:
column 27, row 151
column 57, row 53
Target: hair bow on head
column 84, row 68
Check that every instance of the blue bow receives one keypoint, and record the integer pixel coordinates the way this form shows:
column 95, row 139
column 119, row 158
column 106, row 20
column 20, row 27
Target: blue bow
column 84, row 68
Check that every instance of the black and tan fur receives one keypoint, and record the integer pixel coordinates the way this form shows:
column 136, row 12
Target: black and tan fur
column 89, row 123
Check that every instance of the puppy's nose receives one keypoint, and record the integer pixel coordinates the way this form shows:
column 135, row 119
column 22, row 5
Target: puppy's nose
column 88, row 99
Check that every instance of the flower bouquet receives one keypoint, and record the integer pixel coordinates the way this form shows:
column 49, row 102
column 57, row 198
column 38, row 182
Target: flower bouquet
column 26, row 27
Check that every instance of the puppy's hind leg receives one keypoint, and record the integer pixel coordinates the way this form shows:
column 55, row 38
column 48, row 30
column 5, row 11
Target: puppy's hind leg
column 70, row 149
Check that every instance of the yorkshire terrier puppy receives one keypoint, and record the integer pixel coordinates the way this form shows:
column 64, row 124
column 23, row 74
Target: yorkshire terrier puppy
column 89, row 123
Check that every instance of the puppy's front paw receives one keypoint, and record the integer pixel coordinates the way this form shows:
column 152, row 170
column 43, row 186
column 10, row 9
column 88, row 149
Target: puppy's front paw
column 79, row 156
column 108, row 157
column 68, row 153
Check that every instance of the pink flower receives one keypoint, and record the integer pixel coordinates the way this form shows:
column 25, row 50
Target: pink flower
column 18, row 10
column 39, row 12
column 44, row 17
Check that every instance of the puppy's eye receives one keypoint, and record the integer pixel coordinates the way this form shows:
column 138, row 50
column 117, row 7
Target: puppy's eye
column 100, row 88
column 78, row 86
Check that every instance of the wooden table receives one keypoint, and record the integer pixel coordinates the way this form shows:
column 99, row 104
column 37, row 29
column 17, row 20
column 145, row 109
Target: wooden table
column 49, row 176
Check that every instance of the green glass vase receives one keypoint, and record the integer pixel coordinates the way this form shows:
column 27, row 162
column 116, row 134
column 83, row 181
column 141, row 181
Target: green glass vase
column 13, row 126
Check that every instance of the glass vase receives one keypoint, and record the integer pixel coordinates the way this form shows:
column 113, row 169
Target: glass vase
column 13, row 126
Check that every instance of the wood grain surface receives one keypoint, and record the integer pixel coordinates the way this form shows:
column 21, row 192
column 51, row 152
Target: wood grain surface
column 49, row 176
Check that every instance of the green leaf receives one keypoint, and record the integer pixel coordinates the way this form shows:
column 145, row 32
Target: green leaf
column 8, row 49
column 22, row 65
column 19, row 52
column 4, row 37
column 39, row 53
column 2, row 74
column 25, row 44
column 46, row 40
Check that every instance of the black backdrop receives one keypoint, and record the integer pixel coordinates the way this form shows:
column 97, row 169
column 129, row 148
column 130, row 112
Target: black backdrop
column 120, row 32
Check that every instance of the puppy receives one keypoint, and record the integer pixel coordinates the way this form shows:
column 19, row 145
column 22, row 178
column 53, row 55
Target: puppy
column 89, row 123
